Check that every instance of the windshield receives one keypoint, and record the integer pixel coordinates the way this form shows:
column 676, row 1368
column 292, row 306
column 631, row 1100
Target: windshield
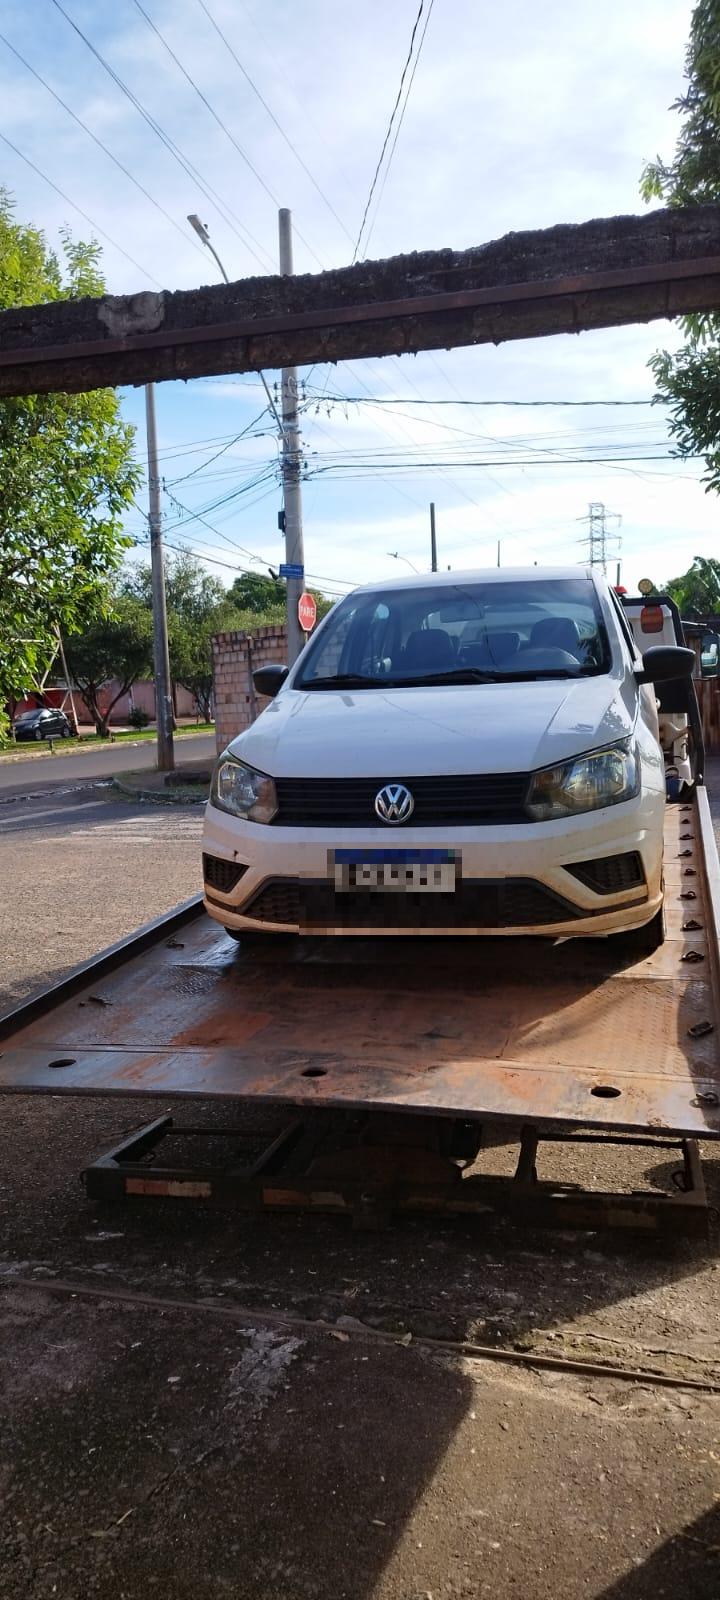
column 471, row 632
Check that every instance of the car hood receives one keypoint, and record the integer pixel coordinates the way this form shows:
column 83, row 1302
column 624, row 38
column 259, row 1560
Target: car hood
column 445, row 728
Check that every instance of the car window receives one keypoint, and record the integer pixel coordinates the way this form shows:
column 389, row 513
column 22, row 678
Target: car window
column 514, row 628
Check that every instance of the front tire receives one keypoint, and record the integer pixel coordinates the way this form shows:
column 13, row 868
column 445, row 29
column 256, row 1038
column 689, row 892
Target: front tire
column 38, row 734
column 65, row 733
column 256, row 942
column 639, row 942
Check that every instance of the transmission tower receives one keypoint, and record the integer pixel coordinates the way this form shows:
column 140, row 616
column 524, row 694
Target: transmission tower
column 600, row 538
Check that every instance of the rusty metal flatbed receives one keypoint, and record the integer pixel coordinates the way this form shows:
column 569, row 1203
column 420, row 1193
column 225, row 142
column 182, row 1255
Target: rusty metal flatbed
column 507, row 1030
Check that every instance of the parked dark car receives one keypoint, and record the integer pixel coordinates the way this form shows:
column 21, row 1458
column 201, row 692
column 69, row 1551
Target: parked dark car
column 44, row 723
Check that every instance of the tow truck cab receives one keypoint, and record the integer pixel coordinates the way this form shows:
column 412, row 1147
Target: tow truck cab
column 655, row 620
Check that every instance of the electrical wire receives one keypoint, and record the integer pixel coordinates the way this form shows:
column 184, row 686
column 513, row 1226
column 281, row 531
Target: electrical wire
column 380, row 400
column 401, row 119
column 79, row 209
column 106, row 151
column 174, row 150
column 221, row 452
column 389, row 128
column 218, row 119
column 273, row 118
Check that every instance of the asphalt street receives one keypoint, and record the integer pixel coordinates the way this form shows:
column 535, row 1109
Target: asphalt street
column 44, row 772
column 202, row 1404
column 82, row 870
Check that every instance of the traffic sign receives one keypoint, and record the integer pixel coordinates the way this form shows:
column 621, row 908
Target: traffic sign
column 291, row 569
column 307, row 613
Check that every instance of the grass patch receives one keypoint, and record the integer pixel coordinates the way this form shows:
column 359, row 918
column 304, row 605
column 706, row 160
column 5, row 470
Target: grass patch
column 28, row 747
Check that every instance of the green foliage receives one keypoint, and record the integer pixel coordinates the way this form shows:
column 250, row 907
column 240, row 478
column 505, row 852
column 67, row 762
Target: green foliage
column 258, row 593
column 264, row 599
column 66, row 474
column 697, row 593
column 197, row 608
column 689, row 381
column 139, row 718
column 118, row 645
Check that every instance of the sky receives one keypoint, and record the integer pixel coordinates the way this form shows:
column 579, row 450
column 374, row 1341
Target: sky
column 518, row 116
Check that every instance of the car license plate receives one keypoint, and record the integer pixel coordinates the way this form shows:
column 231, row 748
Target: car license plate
column 395, row 871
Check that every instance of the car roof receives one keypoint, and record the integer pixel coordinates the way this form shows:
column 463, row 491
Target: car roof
column 425, row 580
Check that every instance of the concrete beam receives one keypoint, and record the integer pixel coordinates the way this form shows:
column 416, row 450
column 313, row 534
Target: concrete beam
column 527, row 285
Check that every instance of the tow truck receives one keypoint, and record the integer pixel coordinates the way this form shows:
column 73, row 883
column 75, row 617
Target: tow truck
column 371, row 1080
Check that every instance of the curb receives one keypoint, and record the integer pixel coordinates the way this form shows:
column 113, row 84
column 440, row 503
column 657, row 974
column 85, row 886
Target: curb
column 161, row 797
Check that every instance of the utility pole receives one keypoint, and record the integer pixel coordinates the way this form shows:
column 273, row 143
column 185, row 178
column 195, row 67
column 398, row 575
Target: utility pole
column 291, row 468
column 433, row 540
column 599, row 535
column 164, row 715
column 498, row 554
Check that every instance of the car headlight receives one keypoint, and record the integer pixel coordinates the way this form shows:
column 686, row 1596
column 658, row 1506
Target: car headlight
column 585, row 783
column 242, row 791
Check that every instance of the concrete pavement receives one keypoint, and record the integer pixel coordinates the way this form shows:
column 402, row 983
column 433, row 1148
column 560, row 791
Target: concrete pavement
column 40, row 773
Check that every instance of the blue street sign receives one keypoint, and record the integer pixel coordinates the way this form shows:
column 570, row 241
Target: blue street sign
column 291, row 569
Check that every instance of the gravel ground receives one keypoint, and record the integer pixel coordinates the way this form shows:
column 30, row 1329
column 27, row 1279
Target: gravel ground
column 207, row 1449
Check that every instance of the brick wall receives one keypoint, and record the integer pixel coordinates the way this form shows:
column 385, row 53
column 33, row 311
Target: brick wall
column 235, row 657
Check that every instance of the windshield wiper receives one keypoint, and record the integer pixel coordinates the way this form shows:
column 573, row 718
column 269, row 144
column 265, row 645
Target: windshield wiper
column 455, row 675
column 344, row 680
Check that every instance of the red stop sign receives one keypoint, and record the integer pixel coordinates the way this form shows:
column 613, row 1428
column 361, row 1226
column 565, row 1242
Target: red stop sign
column 307, row 613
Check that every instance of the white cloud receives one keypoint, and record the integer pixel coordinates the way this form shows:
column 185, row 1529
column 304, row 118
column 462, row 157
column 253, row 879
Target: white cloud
column 520, row 116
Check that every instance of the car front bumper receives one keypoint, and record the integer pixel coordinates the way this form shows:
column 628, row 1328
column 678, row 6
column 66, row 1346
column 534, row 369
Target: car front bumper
column 286, row 877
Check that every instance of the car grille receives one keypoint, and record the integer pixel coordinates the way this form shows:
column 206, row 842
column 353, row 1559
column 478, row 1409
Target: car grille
column 463, row 801
column 222, row 875
column 610, row 874
column 493, row 903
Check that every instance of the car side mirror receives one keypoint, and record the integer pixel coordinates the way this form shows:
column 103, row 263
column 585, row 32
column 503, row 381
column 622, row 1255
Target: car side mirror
column 268, row 680
column 664, row 662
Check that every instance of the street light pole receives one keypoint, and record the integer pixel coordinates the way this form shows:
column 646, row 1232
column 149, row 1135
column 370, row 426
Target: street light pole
column 164, row 714
column 203, row 232
column 396, row 556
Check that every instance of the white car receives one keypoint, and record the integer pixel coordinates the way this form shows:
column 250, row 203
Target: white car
column 470, row 753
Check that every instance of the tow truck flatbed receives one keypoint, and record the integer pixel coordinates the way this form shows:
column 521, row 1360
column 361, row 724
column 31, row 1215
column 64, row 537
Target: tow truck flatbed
column 494, row 1030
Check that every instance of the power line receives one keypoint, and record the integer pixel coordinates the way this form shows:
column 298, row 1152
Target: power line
column 174, row 150
column 222, row 451
column 76, row 207
column 216, row 561
column 401, row 119
column 101, row 146
column 389, row 128
column 274, row 119
column 380, row 400
column 218, row 119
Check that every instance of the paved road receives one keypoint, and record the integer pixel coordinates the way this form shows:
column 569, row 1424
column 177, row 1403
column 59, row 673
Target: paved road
column 81, row 871
column 52, row 772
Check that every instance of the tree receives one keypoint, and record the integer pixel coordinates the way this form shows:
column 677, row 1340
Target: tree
column 697, row 593
column 197, row 608
column 255, row 592
column 265, row 598
column 116, row 646
column 66, row 474
column 689, row 380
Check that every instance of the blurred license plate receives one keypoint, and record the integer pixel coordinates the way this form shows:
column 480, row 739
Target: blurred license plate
column 398, row 871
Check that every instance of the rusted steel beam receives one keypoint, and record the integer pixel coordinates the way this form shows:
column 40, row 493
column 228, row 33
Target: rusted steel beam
column 556, row 280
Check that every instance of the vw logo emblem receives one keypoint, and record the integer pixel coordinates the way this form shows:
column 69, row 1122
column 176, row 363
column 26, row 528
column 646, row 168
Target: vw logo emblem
column 394, row 803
